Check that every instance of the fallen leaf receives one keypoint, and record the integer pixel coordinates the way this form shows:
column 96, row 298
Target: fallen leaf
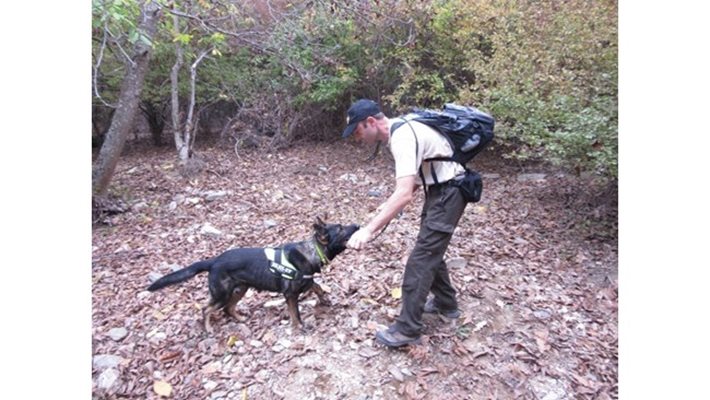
column 480, row 326
column 396, row 373
column 397, row 293
column 541, row 338
column 159, row 316
column 162, row 388
column 232, row 339
column 211, row 368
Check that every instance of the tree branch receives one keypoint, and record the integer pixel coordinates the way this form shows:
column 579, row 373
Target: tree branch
column 96, row 70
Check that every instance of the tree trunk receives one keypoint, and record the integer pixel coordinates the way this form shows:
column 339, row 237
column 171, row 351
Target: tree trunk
column 180, row 145
column 128, row 100
column 190, row 123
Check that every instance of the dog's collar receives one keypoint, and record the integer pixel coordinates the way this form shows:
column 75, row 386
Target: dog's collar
column 321, row 254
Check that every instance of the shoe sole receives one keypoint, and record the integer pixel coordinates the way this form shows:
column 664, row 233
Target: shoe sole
column 447, row 315
column 397, row 344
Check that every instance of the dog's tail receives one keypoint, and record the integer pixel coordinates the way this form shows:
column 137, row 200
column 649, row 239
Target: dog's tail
column 182, row 275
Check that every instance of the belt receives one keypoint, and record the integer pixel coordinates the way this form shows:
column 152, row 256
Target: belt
column 453, row 181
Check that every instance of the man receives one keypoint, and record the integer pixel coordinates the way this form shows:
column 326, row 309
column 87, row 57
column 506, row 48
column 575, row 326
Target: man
column 412, row 142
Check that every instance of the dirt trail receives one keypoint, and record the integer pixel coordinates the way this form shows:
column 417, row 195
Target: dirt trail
column 534, row 264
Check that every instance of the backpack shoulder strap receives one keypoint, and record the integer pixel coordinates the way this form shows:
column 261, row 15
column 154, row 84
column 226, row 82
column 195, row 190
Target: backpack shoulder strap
column 421, row 172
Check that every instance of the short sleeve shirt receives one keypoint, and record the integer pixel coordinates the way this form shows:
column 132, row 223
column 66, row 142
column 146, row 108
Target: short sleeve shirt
column 430, row 143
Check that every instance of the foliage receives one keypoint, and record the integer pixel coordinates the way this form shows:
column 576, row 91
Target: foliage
column 547, row 70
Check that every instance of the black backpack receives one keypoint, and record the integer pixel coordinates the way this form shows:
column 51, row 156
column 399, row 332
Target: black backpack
column 468, row 130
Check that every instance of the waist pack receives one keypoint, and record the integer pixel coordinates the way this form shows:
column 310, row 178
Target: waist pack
column 471, row 186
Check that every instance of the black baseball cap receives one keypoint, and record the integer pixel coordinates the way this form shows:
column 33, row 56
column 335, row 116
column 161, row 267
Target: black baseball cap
column 358, row 112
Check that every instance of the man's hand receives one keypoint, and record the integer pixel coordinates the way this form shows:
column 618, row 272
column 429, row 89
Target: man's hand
column 360, row 238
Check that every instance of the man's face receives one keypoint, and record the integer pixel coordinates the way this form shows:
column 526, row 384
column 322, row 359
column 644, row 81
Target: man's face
column 366, row 131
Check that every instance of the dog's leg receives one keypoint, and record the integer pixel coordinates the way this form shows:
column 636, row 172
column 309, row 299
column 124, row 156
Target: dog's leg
column 206, row 311
column 237, row 294
column 322, row 295
column 296, row 322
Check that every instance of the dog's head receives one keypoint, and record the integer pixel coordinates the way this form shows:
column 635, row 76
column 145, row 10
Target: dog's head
column 333, row 237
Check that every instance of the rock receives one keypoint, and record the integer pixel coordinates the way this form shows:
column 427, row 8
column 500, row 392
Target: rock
column 118, row 333
column 455, row 263
column 480, row 326
column 107, row 379
column 263, row 375
column 172, row 206
column 376, row 192
column 396, row 373
column 348, row 177
column 279, row 195
column 547, row 388
column 367, row 351
column 154, row 276
column 219, row 394
column 256, row 344
column 143, row 294
column 542, row 314
column 274, row 303
column 208, row 229
column 490, row 176
column 210, row 385
column 270, row 223
column 155, row 336
column 213, row 195
column 531, row 177
column 104, row 361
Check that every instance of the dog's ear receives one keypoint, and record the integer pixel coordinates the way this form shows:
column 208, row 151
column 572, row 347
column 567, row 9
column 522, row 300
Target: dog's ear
column 321, row 231
column 319, row 226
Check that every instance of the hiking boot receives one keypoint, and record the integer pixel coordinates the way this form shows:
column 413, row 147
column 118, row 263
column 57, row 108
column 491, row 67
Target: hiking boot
column 431, row 308
column 393, row 338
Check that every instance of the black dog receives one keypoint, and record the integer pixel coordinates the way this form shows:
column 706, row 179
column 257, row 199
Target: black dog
column 288, row 270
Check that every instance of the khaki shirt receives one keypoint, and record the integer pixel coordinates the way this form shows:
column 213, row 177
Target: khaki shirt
column 431, row 143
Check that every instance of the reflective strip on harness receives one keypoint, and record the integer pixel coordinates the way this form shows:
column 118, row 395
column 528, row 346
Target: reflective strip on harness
column 280, row 266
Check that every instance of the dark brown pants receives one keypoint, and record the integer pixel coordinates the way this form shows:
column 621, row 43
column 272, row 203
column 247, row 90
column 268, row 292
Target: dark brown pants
column 426, row 270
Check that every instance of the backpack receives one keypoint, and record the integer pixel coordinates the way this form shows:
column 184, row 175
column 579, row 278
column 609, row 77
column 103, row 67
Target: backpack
column 468, row 130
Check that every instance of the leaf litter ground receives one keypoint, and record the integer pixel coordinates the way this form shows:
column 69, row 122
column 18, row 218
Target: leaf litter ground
column 534, row 264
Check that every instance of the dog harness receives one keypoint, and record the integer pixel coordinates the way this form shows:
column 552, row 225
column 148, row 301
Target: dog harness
column 279, row 265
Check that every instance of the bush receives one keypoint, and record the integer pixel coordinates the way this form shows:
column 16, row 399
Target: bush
column 546, row 70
